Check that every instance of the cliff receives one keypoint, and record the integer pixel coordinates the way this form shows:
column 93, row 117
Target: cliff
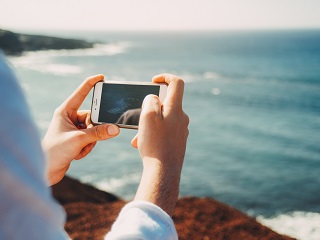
column 91, row 212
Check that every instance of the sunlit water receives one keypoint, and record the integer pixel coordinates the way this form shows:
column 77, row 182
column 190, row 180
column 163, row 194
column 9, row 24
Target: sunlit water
column 254, row 106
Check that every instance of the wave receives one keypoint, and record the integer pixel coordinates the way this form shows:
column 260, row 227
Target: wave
column 42, row 61
column 97, row 50
column 196, row 77
column 52, row 68
column 211, row 76
column 118, row 185
column 300, row 225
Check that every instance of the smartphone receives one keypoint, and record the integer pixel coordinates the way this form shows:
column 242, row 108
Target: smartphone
column 120, row 102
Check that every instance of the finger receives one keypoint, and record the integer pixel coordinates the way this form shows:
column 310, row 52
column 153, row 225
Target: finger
column 151, row 104
column 175, row 89
column 86, row 150
column 134, row 141
column 84, row 118
column 77, row 97
column 151, row 113
column 82, row 115
column 100, row 132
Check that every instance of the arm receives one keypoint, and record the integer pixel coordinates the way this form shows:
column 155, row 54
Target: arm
column 161, row 140
column 27, row 209
column 71, row 135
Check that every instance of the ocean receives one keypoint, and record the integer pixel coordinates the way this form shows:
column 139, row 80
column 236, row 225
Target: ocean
column 253, row 98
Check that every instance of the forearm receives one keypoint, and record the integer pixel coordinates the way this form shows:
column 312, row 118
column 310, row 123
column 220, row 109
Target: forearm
column 159, row 185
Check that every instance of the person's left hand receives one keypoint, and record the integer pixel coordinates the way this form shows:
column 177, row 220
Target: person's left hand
column 71, row 134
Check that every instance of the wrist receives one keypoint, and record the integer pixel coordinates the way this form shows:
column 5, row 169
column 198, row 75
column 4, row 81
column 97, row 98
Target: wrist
column 159, row 184
column 171, row 167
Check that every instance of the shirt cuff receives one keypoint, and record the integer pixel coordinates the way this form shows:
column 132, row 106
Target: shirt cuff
column 142, row 220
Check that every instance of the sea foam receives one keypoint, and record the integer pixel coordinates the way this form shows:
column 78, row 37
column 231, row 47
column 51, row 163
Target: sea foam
column 98, row 50
column 42, row 61
column 300, row 225
column 116, row 185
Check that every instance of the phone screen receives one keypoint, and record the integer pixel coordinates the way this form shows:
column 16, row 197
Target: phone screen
column 121, row 103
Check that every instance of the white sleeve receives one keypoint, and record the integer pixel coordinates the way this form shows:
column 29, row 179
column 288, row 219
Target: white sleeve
column 144, row 221
column 27, row 208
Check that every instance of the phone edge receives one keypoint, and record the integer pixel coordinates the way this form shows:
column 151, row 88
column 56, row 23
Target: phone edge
column 96, row 112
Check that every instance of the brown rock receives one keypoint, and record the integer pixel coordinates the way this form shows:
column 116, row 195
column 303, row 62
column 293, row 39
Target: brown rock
column 206, row 218
column 91, row 212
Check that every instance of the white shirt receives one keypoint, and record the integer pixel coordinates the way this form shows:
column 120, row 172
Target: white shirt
column 27, row 208
column 142, row 220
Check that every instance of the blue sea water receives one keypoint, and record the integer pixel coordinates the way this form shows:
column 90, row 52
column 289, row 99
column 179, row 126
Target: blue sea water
column 253, row 98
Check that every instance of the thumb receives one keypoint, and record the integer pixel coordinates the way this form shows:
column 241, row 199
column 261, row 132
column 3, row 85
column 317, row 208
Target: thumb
column 151, row 103
column 101, row 132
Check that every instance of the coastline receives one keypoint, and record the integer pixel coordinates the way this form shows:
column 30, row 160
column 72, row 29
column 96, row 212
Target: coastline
column 16, row 43
column 91, row 213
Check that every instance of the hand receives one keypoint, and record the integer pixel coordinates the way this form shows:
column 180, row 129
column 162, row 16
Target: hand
column 161, row 140
column 71, row 134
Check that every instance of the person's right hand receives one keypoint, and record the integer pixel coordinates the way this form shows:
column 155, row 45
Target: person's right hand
column 161, row 140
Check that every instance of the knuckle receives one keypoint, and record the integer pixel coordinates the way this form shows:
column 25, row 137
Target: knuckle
column 187, row 120
column 150, row 113
column 170, row 79
column 179, row 81
column 89, row 81
column 93, row 79
column 58, row 110
column 152, row 97
column 99, row 132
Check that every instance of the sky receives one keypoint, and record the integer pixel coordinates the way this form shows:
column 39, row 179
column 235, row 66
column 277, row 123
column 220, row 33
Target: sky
column 158, row 14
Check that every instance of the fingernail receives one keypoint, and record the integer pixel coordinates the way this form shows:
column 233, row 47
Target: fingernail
column 113, row 130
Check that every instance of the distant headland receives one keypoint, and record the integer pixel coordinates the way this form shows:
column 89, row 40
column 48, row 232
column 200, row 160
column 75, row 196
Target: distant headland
column 15, row 43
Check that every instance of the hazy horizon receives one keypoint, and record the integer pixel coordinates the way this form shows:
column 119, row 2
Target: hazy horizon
column 63, row 31
column 152, row 15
